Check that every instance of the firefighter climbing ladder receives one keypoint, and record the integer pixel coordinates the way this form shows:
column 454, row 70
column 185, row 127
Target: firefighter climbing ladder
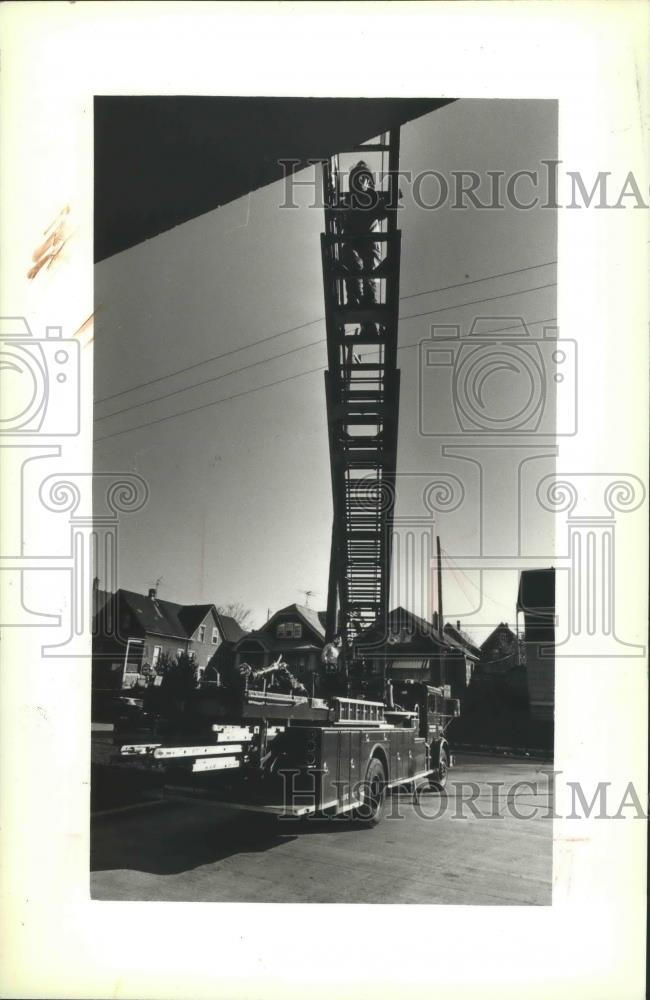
column 362, row 392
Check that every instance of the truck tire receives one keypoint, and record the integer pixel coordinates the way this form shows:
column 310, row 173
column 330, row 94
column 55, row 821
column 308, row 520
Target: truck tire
column 374, row 795
column 439, row 777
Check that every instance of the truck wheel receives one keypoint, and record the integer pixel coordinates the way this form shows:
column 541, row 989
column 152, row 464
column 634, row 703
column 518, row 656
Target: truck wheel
column 440, row 775
column 374, row 795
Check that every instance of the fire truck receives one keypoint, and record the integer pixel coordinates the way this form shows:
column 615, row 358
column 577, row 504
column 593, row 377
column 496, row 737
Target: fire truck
column 292, row 754
column 295, row 756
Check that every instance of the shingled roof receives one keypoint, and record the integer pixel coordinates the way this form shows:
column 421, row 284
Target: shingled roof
column 176, row 621
column 266, row 634
column 423, row 638
column 191, row 616
column 154, row 614
column 232, row 630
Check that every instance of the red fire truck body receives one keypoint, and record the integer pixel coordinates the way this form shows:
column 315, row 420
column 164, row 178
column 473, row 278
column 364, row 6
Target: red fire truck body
column 295, row 756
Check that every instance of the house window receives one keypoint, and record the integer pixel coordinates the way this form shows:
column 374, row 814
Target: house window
column 179, row 652
column 215, row 636
column 192, row 654
column 156, row 655
column 290, row 630
column 202, row 633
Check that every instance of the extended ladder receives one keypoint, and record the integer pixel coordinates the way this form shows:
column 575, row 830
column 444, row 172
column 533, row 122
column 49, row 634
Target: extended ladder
column 362, row 390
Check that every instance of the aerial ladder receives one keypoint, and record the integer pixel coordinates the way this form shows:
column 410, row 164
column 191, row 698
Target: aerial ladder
column 362, row 393
column 243, row 746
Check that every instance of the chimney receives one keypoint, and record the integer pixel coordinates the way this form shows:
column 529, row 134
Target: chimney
column 152, row 593
column 95, row 583
column 457, row 626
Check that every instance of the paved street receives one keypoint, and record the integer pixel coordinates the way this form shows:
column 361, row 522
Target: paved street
column 203, row 852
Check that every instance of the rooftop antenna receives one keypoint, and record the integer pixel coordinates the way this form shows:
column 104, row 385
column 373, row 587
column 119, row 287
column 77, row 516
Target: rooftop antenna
column 308, row 594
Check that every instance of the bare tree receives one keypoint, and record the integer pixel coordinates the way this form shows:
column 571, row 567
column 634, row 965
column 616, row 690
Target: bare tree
column 237, row 611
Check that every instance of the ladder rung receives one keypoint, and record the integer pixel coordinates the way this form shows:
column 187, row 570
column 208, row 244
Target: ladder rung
column 357, row 413
column 364, row 338
column 362, row 420
column 378, row 147
column 354, row 275
column 362, row 314
column 363, row 366
column 333, row 238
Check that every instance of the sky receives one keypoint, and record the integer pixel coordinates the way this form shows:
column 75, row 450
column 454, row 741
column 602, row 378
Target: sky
column 240, row 497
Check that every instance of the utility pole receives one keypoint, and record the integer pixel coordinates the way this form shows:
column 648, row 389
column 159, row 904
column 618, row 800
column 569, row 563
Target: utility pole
column 441, row 621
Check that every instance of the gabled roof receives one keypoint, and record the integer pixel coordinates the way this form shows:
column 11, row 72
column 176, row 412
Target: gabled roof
column 268, row 639
column 232, row 630
column 154, row 614
column 310, row 618
column 191, row 615
column 100, row 599
column 458, row 638
column 502, row 629
column 424, row 638
column 176, row 621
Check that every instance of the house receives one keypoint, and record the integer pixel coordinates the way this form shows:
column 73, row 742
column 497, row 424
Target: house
column 500, row 652
column 470, row 652
column 134, row 634
column 536, row 601
column 412, row 647
column 297, row 633
column 99, row 599
column 500, row 681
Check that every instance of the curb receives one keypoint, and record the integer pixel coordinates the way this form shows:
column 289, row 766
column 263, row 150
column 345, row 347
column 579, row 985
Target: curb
column 531, row 752
column 99, row 813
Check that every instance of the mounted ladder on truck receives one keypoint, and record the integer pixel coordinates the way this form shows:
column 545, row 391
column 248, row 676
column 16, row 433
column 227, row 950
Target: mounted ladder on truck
column 298, row 755
column 362, row 392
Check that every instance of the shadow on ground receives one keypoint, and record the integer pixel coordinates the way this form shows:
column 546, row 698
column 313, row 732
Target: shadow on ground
column 183, row 837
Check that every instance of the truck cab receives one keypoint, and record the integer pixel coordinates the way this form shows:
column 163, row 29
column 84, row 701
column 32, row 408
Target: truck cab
column 434, row 711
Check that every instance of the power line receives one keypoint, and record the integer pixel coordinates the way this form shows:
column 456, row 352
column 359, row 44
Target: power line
column 460, row 585
column 214, row 378
column 474, row 302
column 266, row 360
column 204, row 406
column 267, row 385
column 474, row 281
column 490, row 333
column 302, row 326
column 206, row 361
column 455, row 568
column 274, row 357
